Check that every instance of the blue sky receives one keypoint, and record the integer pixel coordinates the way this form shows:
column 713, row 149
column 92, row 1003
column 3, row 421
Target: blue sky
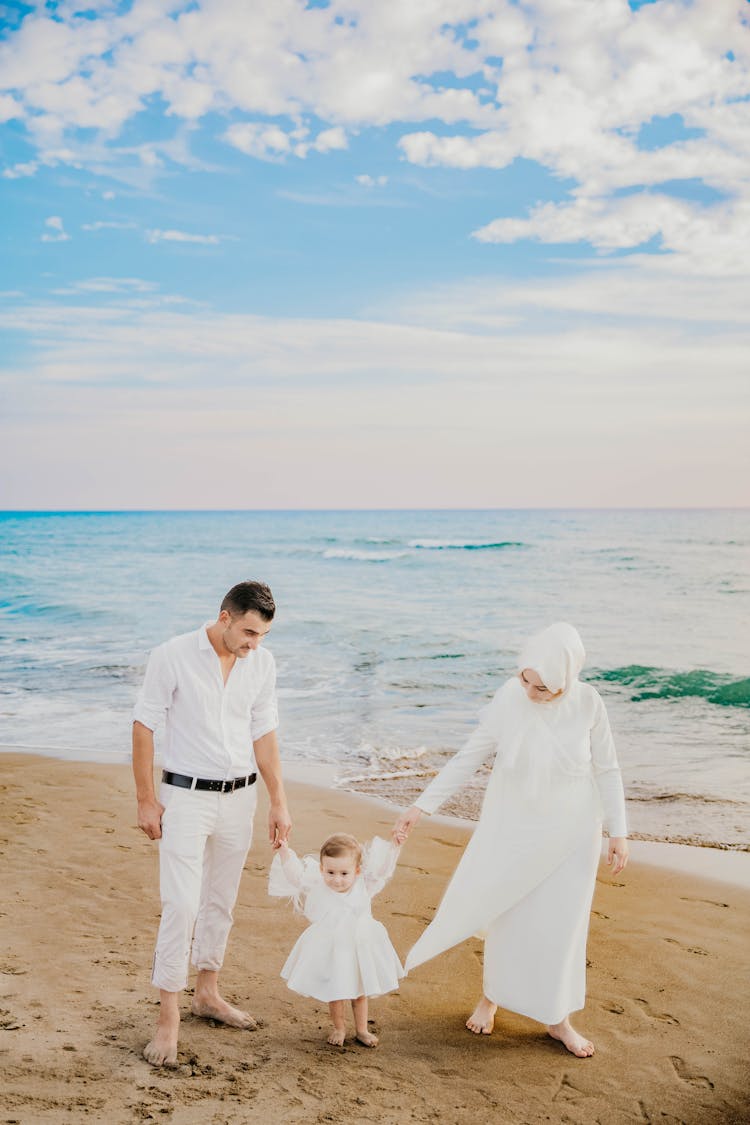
column 455, row 254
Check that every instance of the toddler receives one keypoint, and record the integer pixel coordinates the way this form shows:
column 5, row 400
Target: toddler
column 345, row 954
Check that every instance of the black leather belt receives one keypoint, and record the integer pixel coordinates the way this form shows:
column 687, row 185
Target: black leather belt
column 186, row 782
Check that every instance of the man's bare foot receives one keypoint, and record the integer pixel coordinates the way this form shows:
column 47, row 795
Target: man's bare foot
column 570, row 1038
column 482, row 1019
column 367, row 1039
column 162, row 1050
column 215, row 1008
column 337, row 1037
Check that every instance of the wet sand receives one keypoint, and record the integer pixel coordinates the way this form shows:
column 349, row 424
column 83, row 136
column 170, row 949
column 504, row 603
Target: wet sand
column 667, row 995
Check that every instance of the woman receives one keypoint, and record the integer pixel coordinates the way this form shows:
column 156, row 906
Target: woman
column 526, row 880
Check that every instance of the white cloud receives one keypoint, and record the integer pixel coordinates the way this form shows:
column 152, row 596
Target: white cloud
column 56, row 230
column 9, row 108
column 20, row 171
column 271, row 142
column 711, row 240
column 460, row 406
column 266, row 142
column 568, row 86
column 110, row 285
column 329, row 140
column 182, row 236
column 371, row 181
column 100, row 225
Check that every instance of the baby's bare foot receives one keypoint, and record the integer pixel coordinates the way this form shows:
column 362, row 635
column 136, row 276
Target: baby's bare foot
column 482, row 1019
column 577, row 1045
column 218, row 1009
column 367, row 1039
column 337, row 1037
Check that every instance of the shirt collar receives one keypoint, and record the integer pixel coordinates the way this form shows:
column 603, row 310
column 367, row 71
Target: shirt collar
column 203, row 641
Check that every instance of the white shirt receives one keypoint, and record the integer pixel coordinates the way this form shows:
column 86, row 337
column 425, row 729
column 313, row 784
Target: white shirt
column 210, row 726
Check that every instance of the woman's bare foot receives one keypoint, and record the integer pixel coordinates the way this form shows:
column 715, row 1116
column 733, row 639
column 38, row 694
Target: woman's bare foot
column 215, row 1008
column 162, row 1050
column 482, row 1019
column 337, row 1036
column 570, row 1038
column 367, row 1039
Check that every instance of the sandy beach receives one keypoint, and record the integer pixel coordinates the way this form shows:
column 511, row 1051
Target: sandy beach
column 666, row 1006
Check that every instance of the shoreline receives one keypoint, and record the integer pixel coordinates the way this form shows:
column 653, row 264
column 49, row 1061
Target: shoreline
column 722, row 863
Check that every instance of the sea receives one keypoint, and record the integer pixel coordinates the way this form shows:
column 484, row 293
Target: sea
column 394, row 628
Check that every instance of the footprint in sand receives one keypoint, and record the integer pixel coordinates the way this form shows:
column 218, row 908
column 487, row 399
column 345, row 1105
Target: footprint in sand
column 696, row 949
column 611, row 1006
column 663, row 1017
column 682, row 1072
column 447, row 843
column 567, row 1091
column 707, row 901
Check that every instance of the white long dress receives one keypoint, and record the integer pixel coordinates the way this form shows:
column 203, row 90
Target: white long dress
column 526, row 879
column 345, row 952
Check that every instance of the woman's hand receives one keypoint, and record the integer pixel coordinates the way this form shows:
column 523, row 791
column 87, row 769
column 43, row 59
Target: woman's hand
column 617, row 853
column 405, row 823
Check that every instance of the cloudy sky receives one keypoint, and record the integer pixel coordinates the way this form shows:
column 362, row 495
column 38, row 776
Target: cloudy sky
column 444, row 253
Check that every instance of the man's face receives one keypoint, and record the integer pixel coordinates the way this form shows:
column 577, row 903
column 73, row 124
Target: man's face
column 243, row 634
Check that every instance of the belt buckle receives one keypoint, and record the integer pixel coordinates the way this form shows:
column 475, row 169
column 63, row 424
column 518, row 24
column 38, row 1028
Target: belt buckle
column 228, row 786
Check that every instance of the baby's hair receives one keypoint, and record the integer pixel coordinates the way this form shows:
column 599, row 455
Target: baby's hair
column 339, row 844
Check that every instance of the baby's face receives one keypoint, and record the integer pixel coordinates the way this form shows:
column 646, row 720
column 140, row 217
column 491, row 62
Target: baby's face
column 339, row 871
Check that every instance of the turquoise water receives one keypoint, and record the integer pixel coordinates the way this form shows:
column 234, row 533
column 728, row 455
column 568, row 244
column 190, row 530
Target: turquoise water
column 394, row 627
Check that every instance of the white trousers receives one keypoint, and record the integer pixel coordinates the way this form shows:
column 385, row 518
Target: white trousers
column 202, row 851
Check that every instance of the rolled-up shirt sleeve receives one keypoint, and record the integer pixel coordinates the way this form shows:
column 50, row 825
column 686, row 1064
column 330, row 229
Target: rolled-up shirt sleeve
column 265, row 710
column 155, row 696
column 607, row 773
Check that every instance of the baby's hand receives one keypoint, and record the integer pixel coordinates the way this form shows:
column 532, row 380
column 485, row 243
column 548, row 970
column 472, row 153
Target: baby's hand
column 404, row 825
column 279, row 844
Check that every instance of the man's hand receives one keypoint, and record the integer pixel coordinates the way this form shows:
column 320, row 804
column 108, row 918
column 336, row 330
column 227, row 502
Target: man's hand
column 149, row 818
column 405, row 823
column 617, row 853
column 279, row 825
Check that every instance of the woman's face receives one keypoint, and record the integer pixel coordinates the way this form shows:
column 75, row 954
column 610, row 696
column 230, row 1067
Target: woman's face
column 534, row 688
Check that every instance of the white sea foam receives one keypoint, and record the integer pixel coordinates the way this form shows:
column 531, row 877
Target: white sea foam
column 363, row 556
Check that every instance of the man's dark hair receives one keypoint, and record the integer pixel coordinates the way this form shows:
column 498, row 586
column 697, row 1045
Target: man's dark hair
column 247, row 596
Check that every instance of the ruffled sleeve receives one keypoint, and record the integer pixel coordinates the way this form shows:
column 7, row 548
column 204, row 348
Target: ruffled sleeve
column 379, row 860
column 292, row 877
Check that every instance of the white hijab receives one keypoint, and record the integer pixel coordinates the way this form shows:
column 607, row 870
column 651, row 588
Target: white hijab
column 557, row 656
column 525, row 730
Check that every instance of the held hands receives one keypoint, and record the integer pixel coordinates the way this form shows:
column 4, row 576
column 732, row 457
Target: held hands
column 617, row 853
column 404, row 824
column 279, row 826
column 149, row 818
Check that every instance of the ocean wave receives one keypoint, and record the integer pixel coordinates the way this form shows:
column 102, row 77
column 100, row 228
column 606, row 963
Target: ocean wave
column 363, row 556
column 683, row 798
column 659, row 683
column 395, row 775
column 691, row 841
column 462, row 545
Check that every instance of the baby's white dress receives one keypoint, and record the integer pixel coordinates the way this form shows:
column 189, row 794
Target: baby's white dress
column 345, row 952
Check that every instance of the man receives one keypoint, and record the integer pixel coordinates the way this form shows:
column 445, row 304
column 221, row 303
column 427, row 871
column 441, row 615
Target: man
column 215, row 689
